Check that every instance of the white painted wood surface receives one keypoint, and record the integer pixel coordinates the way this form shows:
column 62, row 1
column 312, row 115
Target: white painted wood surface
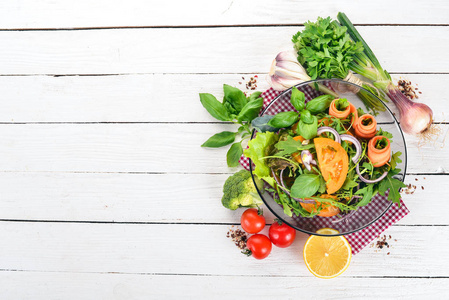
column 105, row 192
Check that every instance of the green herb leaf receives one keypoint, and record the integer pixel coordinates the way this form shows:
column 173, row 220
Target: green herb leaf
column 367, row 193
column 290, row 146
column 308, row 131
column 234, row 154
column 259, row 147
column 298, row 99
column 254, row 96
column 220, row 139
column 214, row 107
column 322, row 188
column 284, row 119
column 341, row 104
column 261, row 124
column 319, row 104
column 395, row 159
column 384, row 133
column 393, row 185
column 234, row 99
column 306, row 185
column 306, row 117
column 250, row 110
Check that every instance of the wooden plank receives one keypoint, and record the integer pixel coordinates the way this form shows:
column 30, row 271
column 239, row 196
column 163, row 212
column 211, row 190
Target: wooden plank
column 149, row 97
column 167, row 198
column 201, row 50
column 35, row 285
column 49, row 14
column 161, row 148
column 156, row 249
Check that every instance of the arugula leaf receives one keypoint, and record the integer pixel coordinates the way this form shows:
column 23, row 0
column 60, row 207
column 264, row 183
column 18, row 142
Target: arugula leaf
column 306, row 185
column 367, row 193
column 234, row 154
column 290, row 146
column 214, row 107
column 220, row 139
column 284, row 119
column 384, row 133
column 234, row 99
column 298, row 99
column 395, row 159
column 349, row 184
column 308, row 131
column 393, row 184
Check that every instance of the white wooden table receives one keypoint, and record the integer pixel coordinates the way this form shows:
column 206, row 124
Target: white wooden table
column 105, row 191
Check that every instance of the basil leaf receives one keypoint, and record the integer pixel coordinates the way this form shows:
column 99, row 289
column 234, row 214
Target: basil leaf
column 298, row 99
column 220, row 139
column 261, row 124
column 250, row 110
column 319, row 104
column 254, row 96
column 308, row 131
column 234, row 154
column 284, row 119
column 306, row 117
column 306, row 185
column 234, row 99
column 214, row 107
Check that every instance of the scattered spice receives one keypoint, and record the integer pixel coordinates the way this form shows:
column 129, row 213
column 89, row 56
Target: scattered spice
column 252, row 83
column 238, row 236
column 409, row 189
column 406, row 88
column 382, row 242
column 422, row 187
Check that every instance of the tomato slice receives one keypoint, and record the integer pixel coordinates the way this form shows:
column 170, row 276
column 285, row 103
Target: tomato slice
column 333, row 163
column 328, row 209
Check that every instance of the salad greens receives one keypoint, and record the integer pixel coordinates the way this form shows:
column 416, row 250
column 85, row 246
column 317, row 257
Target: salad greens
column 275, row 156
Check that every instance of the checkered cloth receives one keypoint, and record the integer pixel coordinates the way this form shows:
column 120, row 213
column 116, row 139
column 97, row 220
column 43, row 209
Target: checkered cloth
column 359, row 239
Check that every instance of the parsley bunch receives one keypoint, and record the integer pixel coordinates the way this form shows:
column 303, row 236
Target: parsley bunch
column 325, row 49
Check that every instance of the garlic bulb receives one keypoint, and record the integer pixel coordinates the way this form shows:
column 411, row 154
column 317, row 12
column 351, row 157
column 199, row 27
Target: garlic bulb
column 286, row 71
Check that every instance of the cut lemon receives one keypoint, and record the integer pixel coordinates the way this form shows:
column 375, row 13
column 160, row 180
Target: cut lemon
column 328, row 231
column 327, row 257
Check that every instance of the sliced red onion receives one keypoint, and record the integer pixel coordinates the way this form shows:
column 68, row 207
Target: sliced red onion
column 369, row 180
column 356, row 143
column 345, row 217
column 307, row 159
column 331, row 130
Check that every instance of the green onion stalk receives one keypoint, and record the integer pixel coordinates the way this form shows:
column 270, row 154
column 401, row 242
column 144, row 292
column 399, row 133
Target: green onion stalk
column 326, row 51
column 415, row 118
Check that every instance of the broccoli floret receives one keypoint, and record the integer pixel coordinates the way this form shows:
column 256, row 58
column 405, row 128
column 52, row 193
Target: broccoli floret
column 239, row 190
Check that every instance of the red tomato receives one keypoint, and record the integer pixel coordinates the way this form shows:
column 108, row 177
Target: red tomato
column 281, row 235
column 259, row 245
column 252, row 220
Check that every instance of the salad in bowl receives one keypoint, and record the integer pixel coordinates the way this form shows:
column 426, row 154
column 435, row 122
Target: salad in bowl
column 325, row 161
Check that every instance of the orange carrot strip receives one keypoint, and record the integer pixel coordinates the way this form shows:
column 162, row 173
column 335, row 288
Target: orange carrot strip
column 365, row 131
column 333, row 111
column 379, row 157
column 297, row 155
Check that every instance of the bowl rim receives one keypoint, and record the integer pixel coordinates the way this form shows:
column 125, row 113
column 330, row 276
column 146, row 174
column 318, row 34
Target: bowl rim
column 282, row 217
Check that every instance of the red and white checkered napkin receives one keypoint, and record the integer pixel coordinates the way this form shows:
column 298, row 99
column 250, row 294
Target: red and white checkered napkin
column 359, row 239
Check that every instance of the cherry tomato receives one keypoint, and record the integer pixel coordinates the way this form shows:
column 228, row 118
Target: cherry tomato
column 259, row 246
column 252, row 220
column 281, row 235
